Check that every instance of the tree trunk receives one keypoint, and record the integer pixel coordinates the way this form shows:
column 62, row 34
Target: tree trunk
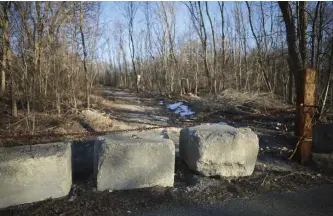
column 221, row 6
column 290, row 83
column 3, row 75
column 294, row 57
column 214, row 48
column 8, row 56
column 298, row 59
column 328, row 81
column 84, row 57
column 302, row 30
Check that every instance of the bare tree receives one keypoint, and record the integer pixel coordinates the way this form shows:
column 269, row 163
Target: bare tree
column 195, row 10
column 261, row 63
column 130, row 12
column 7, row 57
column 214, row 46
column 221, row 7
column 85, row 54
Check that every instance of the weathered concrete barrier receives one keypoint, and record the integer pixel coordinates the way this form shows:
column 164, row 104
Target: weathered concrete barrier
column 34, row 173
column 322, row 141
column 133, row 160
column 219, row 150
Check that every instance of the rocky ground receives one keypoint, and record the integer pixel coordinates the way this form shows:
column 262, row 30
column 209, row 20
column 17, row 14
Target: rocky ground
column 273, row 171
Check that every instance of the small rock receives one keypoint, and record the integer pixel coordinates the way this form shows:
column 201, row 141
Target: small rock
column 134, row 136
column 188, row 189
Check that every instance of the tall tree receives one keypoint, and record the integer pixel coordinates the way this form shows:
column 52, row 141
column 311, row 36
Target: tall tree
column 85, row 55
column 7, row 56
column 130, row 12
column 197, row 18
column 259, row 47
column 298, row 63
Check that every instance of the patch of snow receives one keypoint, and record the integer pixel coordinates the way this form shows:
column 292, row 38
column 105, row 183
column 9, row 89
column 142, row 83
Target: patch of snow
column 174, row 106
column 180, row 109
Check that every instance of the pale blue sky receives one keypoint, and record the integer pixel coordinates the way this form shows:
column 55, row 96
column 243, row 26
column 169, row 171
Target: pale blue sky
column 111, row 13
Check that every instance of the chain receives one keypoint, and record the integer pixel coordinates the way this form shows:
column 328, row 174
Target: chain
column 89, row 134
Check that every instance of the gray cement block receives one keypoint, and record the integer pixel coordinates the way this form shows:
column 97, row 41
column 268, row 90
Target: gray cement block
column 134, row 160
column 219, row 150
column 34, row 173
column 323, row 138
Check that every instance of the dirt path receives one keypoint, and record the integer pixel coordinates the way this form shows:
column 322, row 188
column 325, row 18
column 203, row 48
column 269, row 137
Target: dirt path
column 273, row 173
column 129, row 108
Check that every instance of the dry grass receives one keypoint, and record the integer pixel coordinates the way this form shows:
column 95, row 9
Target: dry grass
column 97, row 120
column 231, row 100
column 40, row 123
column 260, row 101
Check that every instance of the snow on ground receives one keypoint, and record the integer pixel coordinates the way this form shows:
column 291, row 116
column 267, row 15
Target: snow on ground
column 181, row 109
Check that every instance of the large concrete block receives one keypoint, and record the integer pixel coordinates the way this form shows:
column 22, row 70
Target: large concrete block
column 219, row 150
column 34, row 173
column 133, row 160
column 322, row 141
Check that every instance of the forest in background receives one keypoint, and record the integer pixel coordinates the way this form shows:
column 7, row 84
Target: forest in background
column 50, row 51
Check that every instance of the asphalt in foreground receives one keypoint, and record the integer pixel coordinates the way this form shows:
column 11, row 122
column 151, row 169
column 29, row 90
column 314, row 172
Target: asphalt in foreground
column 311, row 202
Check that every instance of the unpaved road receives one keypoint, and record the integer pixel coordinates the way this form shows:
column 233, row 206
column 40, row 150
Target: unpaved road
column 127, row 110
column 128, row 107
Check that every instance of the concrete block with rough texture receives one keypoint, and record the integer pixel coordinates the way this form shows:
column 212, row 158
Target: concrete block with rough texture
column 133, row 160
column 323, row 138
column 219, row 150
column 34, row 173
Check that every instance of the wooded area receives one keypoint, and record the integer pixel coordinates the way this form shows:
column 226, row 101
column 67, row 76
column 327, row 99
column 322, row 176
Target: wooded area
column 117, row 108
column 50, row 61
column 45, row 60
